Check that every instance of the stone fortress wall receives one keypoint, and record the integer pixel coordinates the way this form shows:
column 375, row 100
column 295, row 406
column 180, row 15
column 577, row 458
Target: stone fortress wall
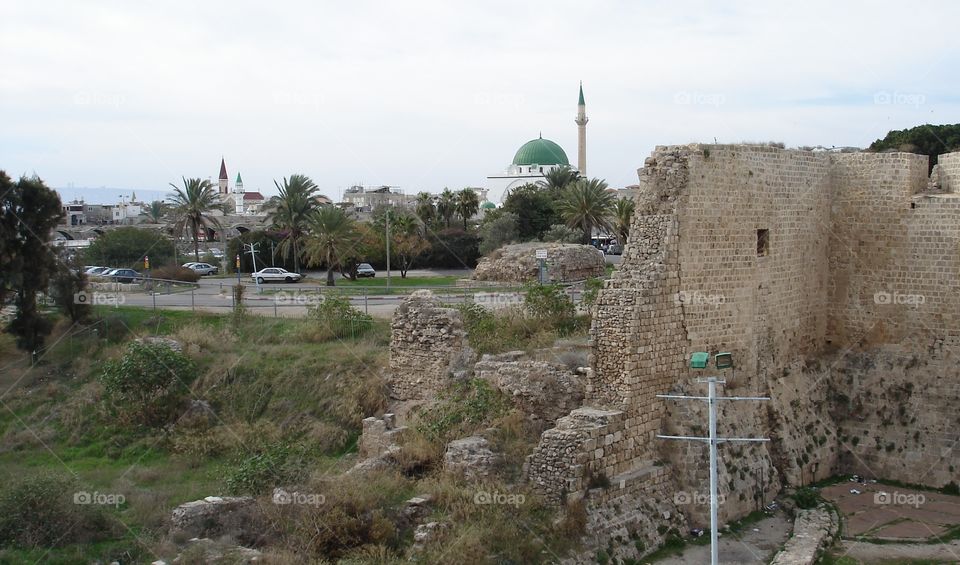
column 822, row 312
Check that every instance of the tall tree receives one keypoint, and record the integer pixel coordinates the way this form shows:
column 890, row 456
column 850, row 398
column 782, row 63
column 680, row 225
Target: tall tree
column 331, row 236
column 586, row 205
column 29, row 212
column 622, row 216
column 447, row 205
column 156, row 210
column 468, row 204
column 291, row 211
column 535, row 208
column 193, row 206
column 407, row 240
column 556, row 180
column 426, row 209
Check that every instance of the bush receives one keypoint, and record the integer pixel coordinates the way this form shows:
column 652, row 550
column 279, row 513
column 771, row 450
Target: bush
column 591, row 288
column 173, row 272
column 807, row 497
column 466, row 407
column 66, row 284
column 258, row 473
column 147, row 385
column 451, row 248
column 126, row 247
column 951, row 488
column 39, row 511
column 550, row 303
column 498, row 232
column 336, row 318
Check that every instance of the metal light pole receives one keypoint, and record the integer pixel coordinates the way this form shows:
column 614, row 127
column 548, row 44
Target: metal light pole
column 712, row 440
column 388, row 248
column 253, row 255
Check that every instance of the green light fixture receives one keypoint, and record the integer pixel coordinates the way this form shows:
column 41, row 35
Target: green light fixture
column 699, row 360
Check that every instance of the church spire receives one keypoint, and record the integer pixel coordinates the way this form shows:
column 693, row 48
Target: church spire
column 581, row 122
column 224, row 179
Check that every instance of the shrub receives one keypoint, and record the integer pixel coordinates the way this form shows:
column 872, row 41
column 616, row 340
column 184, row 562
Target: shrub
column 66, row 284
column 147, row 385
column 39, row 511
column 175, row 273
column 498, row 232
column 278, row 465
column 451, row 248
column 461, row 410
column 549, row 303
column 951, row 488
column 506, row 330
column 126, row 247
column 807, row 497
column 336, row 318
column 591, row 288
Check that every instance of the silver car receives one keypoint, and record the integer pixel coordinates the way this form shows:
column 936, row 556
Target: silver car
column 202, row 268
column 275, row 274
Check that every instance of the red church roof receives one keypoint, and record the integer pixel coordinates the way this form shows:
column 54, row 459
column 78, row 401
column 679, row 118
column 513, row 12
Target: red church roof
column 252, row 196
column 223, row 170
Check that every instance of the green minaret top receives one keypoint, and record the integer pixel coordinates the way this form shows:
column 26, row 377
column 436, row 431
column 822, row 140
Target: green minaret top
column 239, row 180
column 581, row 103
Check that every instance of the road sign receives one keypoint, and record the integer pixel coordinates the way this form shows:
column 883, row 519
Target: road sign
column 541, row 253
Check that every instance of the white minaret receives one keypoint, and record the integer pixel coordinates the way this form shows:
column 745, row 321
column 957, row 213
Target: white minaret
column 238, row 194
column 582, row 134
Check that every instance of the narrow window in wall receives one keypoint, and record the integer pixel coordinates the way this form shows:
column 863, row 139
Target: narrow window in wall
column 763, row 243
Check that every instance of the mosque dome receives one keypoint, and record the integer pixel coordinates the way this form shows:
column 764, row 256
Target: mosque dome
column 540, row 152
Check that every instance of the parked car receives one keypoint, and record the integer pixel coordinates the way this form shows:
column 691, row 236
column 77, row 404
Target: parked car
column 92, row 270
column 190, row 264
column 275, row 274
column 123, row 275
column 216, row 252
column 202, row 268
column 614, row 249
column 366, row 270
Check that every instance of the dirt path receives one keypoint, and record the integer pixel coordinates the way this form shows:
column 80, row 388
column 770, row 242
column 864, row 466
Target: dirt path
column 880, row 553
column 749, row 546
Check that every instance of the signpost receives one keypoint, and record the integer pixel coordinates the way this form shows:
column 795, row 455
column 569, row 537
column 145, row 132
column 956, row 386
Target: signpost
column 542, row 263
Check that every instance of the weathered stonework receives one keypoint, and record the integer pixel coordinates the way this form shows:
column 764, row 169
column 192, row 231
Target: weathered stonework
column 833, row 281
column 427, row 344
column 813, row 531
column 566, row 262
column 470, row 458
column 541, row 390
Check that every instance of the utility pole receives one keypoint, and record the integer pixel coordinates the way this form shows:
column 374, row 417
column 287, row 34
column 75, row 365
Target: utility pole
column 712, row 440
column 252, row 249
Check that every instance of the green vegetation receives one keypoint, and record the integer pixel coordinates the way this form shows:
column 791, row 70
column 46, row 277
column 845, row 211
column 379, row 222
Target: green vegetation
column 126, row 247
column 193, row 206
column 926, row 140
column 291, row 211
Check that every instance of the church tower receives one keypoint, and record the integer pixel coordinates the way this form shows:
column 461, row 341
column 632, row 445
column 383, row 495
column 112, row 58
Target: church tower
column 582, row 134
column 223, row 177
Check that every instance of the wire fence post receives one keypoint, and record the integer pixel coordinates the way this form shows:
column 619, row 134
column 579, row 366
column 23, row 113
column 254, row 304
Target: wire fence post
column 366, row 303
column 193, row 303
column 153, row 293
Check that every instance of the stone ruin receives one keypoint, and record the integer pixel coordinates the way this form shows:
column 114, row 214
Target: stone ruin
column 831, row 278
column 833, row 281
column 517, row 263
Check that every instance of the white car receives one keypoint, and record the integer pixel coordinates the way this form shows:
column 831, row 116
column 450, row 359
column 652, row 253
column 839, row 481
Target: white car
column 275, row 274
column 202, row 268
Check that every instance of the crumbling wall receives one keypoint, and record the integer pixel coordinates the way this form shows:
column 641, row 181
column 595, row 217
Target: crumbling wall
column 949, row 172
column 543, row 391
column 517, row 263
column 427, row 343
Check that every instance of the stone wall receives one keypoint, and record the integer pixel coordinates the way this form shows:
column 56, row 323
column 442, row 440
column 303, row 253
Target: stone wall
column 813, row 531
column 833, row 280
column 517, row 263
column 543, row 391
column 427, row 344
column 949, row 172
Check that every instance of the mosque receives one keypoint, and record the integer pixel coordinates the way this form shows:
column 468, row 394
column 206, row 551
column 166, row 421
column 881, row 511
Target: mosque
column 538, row 157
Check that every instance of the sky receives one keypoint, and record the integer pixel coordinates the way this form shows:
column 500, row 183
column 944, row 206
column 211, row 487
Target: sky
column 133, row 96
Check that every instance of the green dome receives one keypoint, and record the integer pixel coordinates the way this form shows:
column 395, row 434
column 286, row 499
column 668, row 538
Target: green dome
column 488, row 205
column 540, row 152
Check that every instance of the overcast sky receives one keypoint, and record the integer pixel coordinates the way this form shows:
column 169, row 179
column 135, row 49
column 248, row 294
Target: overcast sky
column 427, row 95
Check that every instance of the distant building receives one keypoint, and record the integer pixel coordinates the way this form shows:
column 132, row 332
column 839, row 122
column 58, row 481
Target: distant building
column 243, row 203
column 368, row 199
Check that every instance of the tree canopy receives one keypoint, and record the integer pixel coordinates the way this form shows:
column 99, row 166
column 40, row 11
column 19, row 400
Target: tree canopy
column 925, row 140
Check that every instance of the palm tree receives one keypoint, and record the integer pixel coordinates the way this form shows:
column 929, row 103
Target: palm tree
column 331, row 236
column 621, row 219
column 156, row 210
column 425, row 208
column 558, row 179
column 468, row 204
column 586, row 204
column 447, row 205
column 192, row 206
column 291, row 211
